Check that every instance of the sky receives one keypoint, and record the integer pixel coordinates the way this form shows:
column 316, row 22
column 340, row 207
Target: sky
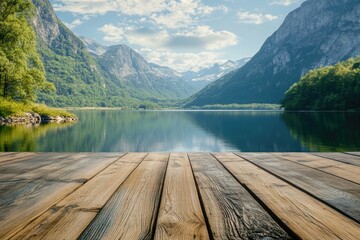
column 180, row 34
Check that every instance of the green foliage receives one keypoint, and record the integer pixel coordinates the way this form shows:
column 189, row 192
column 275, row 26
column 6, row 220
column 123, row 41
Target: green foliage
column 329, row 88
column 21, row 69
column 11, row 108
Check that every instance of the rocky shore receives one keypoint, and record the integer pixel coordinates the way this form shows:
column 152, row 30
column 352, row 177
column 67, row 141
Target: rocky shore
column 34, row 118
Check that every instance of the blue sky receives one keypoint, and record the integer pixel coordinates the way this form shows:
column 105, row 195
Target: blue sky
column 181, row 34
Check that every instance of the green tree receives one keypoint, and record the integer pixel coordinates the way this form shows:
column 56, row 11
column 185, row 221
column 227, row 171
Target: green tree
column 329, row 88
column 21, row 70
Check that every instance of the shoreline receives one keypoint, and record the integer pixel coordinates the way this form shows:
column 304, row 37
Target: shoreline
column 34, row 118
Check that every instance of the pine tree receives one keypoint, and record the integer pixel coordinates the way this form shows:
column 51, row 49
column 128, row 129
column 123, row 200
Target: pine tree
column 21, row 70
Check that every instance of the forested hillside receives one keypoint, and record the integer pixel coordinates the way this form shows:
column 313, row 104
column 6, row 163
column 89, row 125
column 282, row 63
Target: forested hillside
column 329, row 88
column 68, row 65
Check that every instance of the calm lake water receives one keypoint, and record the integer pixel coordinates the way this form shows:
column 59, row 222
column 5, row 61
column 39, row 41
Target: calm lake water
column 120, row 131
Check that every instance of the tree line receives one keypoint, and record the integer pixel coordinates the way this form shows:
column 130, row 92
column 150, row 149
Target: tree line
column 327, row 88
column 22, row 72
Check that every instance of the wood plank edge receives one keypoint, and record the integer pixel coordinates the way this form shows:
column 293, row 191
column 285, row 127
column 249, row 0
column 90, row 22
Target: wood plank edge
column 318, row 169
column 291, row 233
column 301, row 189
column 156, row 212
column 201, row 201
column 327, row 157
column 352, row 154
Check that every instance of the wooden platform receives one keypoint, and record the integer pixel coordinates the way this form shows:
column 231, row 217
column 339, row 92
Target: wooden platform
column 179, row 196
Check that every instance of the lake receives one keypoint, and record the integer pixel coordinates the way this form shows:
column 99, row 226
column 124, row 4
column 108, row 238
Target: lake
column 189, row 131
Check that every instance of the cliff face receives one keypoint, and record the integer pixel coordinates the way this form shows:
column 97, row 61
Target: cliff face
column 45, row 21
column 319, row 33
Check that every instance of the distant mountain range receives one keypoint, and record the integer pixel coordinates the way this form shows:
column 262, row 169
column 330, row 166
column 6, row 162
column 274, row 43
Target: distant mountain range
column 204, row 76
column 318, row 33
column 131, row 66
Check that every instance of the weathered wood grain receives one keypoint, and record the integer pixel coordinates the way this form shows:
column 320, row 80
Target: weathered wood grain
column 335, row 191
column 25, row 200
column 304, row 215
column 54, row 163
column 68, row 218
column 131, row 211
column 21, row 203
column 342, row 157
column 84, row 168
column 9, row 170
column 18, row 156
column 354, row 153
column 343, row 170
column 231, row 211
column 180, row 215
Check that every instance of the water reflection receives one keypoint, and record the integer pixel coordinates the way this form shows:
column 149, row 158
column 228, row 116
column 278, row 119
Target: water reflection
column 123, row 131
column 27, row 138
column 325, row 131
column 248, row 131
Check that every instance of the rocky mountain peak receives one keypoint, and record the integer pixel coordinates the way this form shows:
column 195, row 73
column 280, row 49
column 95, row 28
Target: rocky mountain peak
column 45, row 21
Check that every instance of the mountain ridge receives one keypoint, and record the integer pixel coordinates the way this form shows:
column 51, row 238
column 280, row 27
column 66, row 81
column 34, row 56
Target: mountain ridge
column 84, row 77
column 318, row 33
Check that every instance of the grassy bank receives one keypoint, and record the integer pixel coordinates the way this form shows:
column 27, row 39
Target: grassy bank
column 17, row 109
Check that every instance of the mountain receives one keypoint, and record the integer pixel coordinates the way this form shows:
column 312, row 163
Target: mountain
column 88, row 74
column 93, row 47
column 206, row 75
column 318, row 33
column 73, row 70
column 142, row 80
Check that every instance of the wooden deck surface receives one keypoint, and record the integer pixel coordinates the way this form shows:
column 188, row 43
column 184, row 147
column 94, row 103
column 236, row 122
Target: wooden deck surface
column 180, row 196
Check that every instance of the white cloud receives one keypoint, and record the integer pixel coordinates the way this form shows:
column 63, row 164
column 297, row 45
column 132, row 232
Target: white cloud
column 182, row 61
column 112, row 34
column 168, row 13
column 144, row 37
column 85, row 6
column 74, row 23
column 201, row 38
column 255, row 18
column 283, row 2
column 204, row 37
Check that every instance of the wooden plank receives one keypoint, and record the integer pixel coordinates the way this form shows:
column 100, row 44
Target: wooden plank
column 84, row 168
column 7, row 157
column 25, row 200
column 343, row 170
column 21, row 203
column 6, row 153
column 10, row 170
column 354, row 153
column 131, row 212
column 231, row 211
column 342, row 157
column 68, row 218
column 337, row 192
column 55, row 163
column 180, row 214
column 305, row 216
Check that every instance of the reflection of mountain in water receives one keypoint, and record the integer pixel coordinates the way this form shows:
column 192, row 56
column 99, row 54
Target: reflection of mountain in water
column 248, row 131
column 121, row 131
column 325, row 131
column 151, row 131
